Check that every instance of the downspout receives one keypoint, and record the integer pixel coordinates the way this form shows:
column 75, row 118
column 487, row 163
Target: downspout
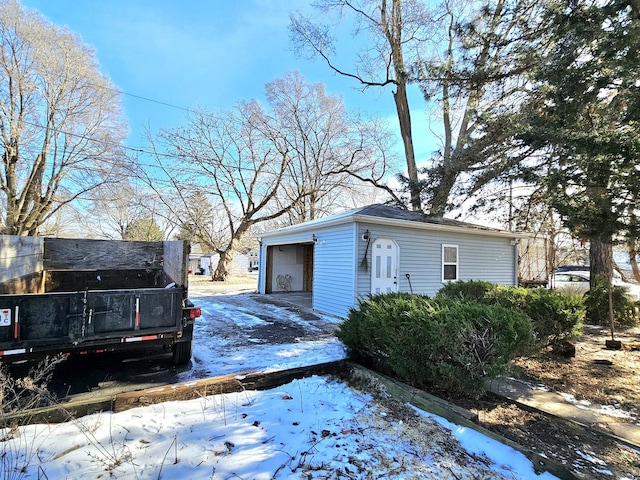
column 515, row 242
column 261, row 269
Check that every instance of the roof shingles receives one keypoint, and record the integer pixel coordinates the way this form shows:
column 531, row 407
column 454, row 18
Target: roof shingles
column 395, row 213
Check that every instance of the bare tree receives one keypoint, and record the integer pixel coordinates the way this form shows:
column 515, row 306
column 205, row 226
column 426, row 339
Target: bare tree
column 231, row 158
column 332, row 153
column 112, row 212
column 202, row 222
column 397, row 27
column 60, row 120
column 470, row 60
column 476, row 87
column 223, row 174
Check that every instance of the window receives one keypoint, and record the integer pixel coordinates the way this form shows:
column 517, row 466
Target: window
column 449, row 263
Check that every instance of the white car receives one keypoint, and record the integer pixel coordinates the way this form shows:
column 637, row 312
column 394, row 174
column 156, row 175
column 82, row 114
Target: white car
column 578, row 282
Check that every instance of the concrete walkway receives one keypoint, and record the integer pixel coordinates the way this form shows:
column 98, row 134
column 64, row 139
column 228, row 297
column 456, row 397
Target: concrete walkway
column 301, row 299
column 555, row 404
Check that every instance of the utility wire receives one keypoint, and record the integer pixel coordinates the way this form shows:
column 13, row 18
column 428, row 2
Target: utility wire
column 114, row 144
column 147, row 99
column 101, row 142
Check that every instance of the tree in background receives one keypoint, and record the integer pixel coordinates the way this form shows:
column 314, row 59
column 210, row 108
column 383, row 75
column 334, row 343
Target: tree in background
column 583, row 117
column 202, row 222
column 397, row 27
column 471, row 62
column 110, row 212
column 248, row 166
column 60, row 120
column 144, row 229
column 333, row 154
column 229, row 157
column 473, row 75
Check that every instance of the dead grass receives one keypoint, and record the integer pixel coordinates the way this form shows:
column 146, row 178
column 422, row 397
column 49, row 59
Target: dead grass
column 595, row 375
column 238, row 283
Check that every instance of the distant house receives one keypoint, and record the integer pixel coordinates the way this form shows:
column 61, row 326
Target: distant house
column 209, row 261
column 253, row 256
column 196, row 259
column 345, row 257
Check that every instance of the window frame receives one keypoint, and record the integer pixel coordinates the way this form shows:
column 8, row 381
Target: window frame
column 448, row 264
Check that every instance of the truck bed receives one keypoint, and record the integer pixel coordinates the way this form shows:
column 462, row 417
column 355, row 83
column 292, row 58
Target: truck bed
column 77, row 295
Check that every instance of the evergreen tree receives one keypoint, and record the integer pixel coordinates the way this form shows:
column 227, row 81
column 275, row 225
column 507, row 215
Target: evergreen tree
column 144, row 229
column 583, row 119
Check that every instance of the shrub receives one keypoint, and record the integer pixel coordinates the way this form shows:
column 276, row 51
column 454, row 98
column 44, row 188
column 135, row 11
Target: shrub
column 466, row 290
column 554, row 315
column 435, row 343
column 19, row 394
column 597, row 306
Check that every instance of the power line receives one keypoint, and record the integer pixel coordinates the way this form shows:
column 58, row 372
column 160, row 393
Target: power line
column 152, row 100
column 147, row 99
column 101, row 142
column 118, row 145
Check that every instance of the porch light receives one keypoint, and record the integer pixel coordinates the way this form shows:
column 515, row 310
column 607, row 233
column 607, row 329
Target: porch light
column 314, row 238
column 365, row 235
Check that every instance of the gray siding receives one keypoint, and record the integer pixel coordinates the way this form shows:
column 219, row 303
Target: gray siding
column 334, row 265
column 480, row 257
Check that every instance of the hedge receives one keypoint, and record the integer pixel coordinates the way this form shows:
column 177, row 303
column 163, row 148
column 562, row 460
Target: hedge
column 437, row 343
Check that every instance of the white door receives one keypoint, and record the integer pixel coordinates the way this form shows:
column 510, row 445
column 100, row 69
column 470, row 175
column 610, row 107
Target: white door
column 384, row 274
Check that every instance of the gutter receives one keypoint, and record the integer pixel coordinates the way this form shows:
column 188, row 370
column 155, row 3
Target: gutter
column 485, row 231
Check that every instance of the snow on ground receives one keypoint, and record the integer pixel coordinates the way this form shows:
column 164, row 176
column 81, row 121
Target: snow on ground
column 311, row 428
column 237, row 333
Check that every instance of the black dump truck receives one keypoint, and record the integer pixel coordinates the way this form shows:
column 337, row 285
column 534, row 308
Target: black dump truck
column 60, row 295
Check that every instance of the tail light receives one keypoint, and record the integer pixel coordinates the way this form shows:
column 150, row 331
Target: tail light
column 194, row 313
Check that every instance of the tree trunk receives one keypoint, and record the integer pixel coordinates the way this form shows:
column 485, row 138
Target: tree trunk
column 222, row 269
column 226, row 257
column 600, row 259
column 442, row 191
column 393, row 26
column 633, row 259
column 404, row 118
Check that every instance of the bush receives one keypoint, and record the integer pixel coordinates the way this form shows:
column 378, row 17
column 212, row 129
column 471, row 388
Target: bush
column 597, row 306
column 19, row 394
column 435, row 343
column 554, row 315
column 466, row 290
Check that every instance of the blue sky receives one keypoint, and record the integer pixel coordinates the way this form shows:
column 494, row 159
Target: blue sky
column 200, row 53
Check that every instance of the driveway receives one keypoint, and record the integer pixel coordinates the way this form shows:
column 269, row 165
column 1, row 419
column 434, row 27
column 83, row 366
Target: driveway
column 241, row 331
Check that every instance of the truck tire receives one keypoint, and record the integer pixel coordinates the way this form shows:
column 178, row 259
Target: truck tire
column 181, row 353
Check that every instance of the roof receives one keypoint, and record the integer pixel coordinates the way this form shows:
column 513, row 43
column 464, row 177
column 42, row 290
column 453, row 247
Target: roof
column 389, row 215
column 395, row 213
